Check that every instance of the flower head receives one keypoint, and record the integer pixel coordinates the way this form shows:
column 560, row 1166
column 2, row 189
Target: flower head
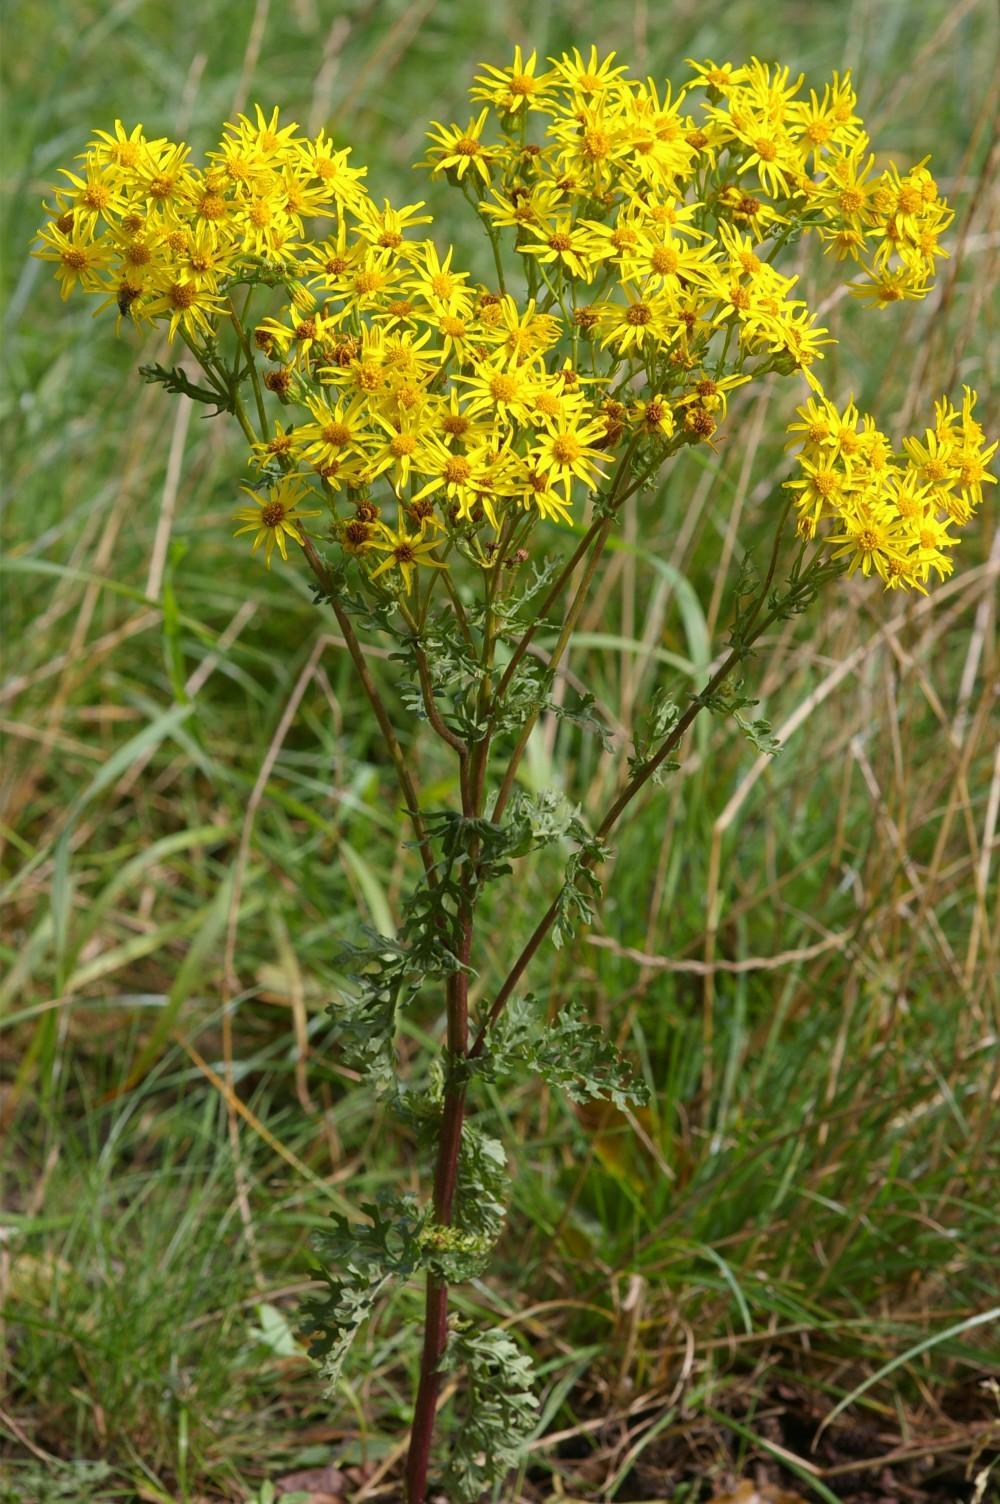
column 275, row 515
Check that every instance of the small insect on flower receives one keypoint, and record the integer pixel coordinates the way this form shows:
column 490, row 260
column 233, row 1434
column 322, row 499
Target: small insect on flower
column 275, row 515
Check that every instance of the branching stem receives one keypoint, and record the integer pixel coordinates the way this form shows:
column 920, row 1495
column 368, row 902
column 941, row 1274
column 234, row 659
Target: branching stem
column 403, row 774
column 642, row 776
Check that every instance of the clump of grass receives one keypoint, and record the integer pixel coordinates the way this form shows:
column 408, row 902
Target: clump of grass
column 135, row 1340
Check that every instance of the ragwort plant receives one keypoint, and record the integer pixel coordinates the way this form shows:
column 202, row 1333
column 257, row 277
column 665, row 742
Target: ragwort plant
column 410, row 434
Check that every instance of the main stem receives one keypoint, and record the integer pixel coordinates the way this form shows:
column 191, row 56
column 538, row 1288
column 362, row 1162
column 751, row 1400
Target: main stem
column 472, row 774
column 445, row 1181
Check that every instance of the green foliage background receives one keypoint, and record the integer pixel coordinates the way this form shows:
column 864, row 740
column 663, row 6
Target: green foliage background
column 811, row 1192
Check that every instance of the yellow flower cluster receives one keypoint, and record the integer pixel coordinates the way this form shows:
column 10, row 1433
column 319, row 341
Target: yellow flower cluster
column 645, row 286
column 892, row 511
column 140, row 224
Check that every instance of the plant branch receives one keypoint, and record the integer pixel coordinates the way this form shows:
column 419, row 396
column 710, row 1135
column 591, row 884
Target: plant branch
column 616, row 499
column 638, row 781
column 251, row 362
column 403, row 774
column 443, row 730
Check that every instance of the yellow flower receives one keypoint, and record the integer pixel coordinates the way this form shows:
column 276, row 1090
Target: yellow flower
column 830, row 121
column 500, row 387
column 642, row 319
column 555, row 402
column 654, row 415
column 458, row 428
column 165, row 178
column 662, row 263
column 523, row 205
column 891, row 286
column 591, row 79
column 283, row 448
column 935, row 460
column 567, row 453
column 200, row 256
column 744, row 257
column 592, row 146
column 307, row 328
column 817, row 422
column 265, row 139
column 973, row 474
column 405, row 375
column 564, row 243
column 612, row 242
column 299, row 200
column 712, row 392
column 78, row 257
column 405, row 551
column 403, row 450
column 369, row 280
column 245, row 169
column 774, row 154
column 276, row 516
column 821, row 489
column 386, row 228
column 262, row 221
column 335, row 432
column 932, row 537
column 186, row 306
column 873, row 538
column 522, row 333
column 790, row 332
column 515, row 88
column 97, row 195
column 746, row 209
column 476, row 476
column 662, row 145
column 440, row 287
column 536, row 488
column 845, row 193
column 124, row 150
column 455, row 150
column 341, row 181
column 768, row 94
column 723, row 78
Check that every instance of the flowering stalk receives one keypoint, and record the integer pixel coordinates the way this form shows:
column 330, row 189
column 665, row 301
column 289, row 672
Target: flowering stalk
column 424, row 441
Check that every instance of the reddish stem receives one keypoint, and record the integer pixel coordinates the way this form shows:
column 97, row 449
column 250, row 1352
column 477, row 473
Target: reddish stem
column 445, row 1182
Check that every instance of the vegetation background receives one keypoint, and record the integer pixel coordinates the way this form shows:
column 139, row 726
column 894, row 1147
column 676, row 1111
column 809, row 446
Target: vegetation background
column 801, row 955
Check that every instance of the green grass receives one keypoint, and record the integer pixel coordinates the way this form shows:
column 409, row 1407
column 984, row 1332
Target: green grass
column 811, row 1195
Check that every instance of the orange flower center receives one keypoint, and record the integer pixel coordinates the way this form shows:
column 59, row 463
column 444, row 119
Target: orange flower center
column 664, row 260
column 212, row 206
column 503, row 388
column 566, row 449
column 457, row 470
